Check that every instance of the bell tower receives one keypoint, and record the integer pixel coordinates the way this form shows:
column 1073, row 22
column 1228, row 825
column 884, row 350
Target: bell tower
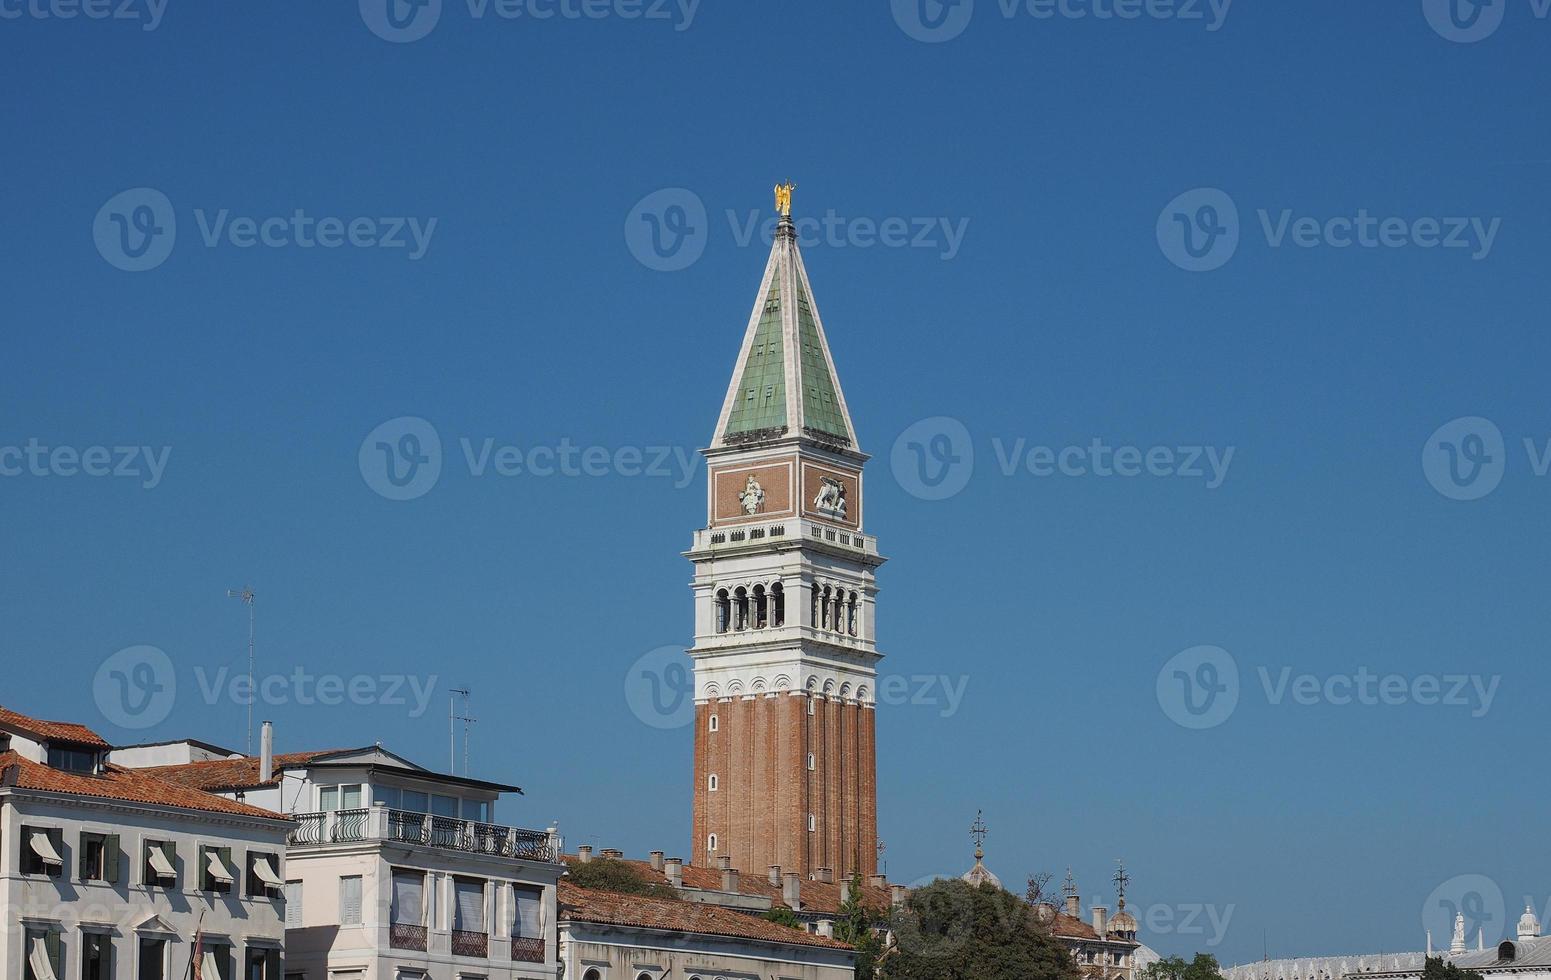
column 784, row 589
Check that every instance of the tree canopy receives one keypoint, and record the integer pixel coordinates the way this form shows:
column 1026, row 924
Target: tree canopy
column 1202, row 967
column 1436, row 969
column 951, row 930
column 609, row 875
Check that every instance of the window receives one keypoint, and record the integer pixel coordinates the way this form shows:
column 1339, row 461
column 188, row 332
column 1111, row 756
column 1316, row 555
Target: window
column 263, row 964
column 813, row 823
column 527, row 913
column 293, row 905
column 215, row 869
column 408, row 904
column 812, row 762
column 346, row 796
column 711, row 782
column 72, row 760
column 96, row 956
column 711, row 843
column 777, row 605
column 389, row 796
column 476, row 810
column 350, row 900
column 715, row 724
column 45, row 955
column 416, row 802
column 263, row 875
column 41, row 850
column 468, row 911
column 99, row 857
column 592, row 975
column 723, row 610
column 153, row 959
column 444, row 806
column 158, row 865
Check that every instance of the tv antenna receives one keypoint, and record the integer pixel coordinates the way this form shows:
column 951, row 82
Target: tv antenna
column 453, row 717
column 246, row 595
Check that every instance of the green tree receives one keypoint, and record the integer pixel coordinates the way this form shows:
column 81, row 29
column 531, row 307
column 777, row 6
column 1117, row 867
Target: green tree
column 610, row 875
column 856, row 925
column 1202, row 967
column 1436, row 969
column 951, row 930
column 782, row 915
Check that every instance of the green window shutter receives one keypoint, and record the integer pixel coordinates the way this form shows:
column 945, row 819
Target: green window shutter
column 272, row 964
column 204, row 868
column 170, row 851
column 83, row 860
column 56, row 952
column 110, row 853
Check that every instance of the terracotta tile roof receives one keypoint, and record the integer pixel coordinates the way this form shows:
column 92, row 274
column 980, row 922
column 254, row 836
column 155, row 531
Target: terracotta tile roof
column 1067, row 927
column 610, row 908
column 224, row 775
column 817, row 896
column 57, row 731
column 118, row 783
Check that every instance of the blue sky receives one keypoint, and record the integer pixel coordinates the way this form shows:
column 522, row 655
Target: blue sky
column 1066, row 156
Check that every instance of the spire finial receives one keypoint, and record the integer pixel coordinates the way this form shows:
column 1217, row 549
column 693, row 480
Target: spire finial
column 977, row 832
column 1121, row 880
column 1069, row 886
column 783, row 198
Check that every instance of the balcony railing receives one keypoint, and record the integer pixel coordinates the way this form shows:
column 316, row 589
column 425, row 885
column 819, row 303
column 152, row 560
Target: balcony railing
column 408, row 827
column 527, row 950
column 466, row 943
column 402, row 935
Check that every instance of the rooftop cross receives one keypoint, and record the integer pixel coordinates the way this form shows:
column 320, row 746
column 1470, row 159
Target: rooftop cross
column 977, row 832
column 1121, row 880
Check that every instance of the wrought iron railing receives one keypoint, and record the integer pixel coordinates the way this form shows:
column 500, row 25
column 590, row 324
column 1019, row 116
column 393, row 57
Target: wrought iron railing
column 527, row 950
column 466, row 943
column 409, row 827
column 402, row 935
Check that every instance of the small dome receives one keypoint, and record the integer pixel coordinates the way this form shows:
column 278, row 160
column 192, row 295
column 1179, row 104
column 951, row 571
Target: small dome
column 1529, row 926
column 980, row 875
column 1123, row 922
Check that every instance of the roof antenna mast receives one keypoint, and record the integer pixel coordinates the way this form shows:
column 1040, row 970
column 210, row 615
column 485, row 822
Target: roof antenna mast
column 452, row 741
column 246, row 595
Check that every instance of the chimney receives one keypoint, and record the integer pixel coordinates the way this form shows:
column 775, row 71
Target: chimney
column 267, row 752
column 877, row 881
column 791, row 892
column 826, row 875
column 613, row 852
column 827, row 928
column 1100, row 920
column 730, row 879
column 775, row 875
column 1074, row 906
column 674, row 869
column 657, row 859
column 723, row 863
column 845, row 891
column 897, row 896
column 584, row 854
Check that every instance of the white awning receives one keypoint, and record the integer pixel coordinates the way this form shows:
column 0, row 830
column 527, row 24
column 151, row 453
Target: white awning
column 208, row 969
column 38, row 959
column 217, row 870
column 44, row 848
column 266, row 872
column 161, row 865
